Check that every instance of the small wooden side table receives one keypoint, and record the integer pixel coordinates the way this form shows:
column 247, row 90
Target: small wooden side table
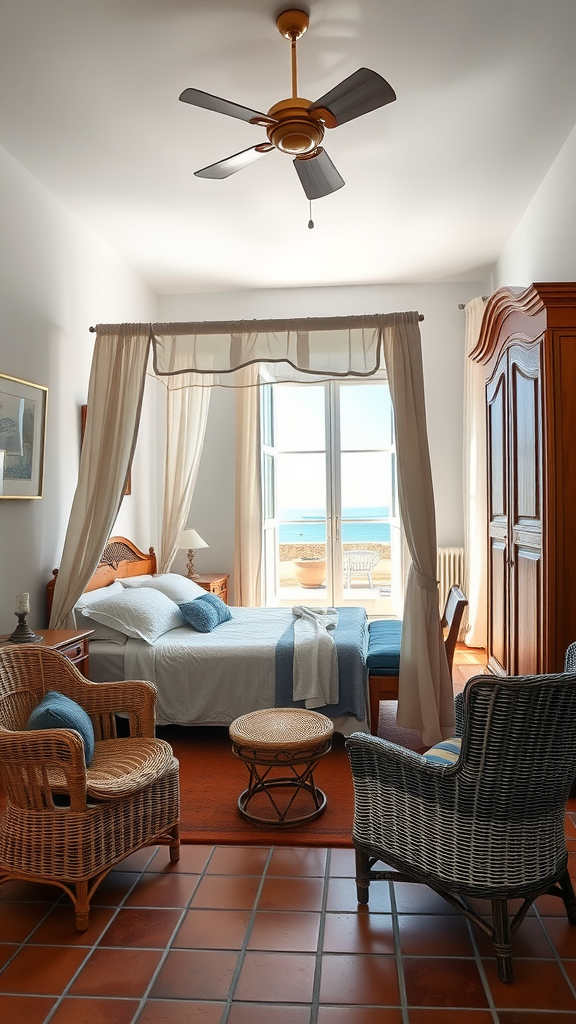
column 73, row 643
column 215, row 583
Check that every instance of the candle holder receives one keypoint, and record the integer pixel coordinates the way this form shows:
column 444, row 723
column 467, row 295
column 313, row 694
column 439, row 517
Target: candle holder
column 23, row 634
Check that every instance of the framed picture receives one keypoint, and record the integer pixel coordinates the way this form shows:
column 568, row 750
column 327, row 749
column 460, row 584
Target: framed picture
column 84, row 413
column 23, row 408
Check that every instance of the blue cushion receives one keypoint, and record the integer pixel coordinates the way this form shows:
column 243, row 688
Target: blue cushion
column 446, row 752
column 56, row 711
column 205, row 613
column 384, row 636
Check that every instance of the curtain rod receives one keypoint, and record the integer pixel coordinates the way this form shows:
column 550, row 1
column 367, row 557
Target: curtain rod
column 305, row 323
column 461, row 305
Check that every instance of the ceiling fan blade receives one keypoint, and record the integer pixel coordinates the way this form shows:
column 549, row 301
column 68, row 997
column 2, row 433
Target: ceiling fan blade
column 210, row 102
column 224, row 168
column 318, row 175
column 361, row 92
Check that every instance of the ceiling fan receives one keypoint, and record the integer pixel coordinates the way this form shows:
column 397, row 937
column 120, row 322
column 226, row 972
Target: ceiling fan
column 297, row 125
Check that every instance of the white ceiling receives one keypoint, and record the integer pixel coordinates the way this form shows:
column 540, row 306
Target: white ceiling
column 435, row 182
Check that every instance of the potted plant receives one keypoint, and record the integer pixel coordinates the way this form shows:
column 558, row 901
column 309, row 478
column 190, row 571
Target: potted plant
column 310, row 572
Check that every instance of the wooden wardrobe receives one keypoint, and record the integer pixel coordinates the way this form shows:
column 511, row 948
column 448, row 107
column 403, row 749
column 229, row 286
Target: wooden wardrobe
column 528, row 347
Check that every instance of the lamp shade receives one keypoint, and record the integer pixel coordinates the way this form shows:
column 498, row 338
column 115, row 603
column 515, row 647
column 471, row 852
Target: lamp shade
column 191, row 539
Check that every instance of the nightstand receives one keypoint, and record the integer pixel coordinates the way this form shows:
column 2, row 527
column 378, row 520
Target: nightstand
column 71, row 642
column 215, row 583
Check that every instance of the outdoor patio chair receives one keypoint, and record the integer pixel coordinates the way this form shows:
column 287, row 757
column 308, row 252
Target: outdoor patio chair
column 67, row 823
column 359, row 562
column 488, row 824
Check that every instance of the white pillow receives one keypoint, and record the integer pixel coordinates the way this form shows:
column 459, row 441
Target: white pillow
column 83, row 621
column 178, row 588
column 142, row 613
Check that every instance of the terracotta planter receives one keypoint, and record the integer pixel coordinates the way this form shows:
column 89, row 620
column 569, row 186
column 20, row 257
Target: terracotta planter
column 310, row 572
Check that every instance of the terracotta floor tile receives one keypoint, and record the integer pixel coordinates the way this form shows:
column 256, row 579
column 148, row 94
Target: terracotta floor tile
column 363, row 980
column 343, row 863
column 144, row 928
column 529, row 941
column 213, row 929
column 536, row 1017
column 25, row 1009
column 291, row 894
column 137, row 861
column 414, row 898
column 538, row 985
column 41, row 970
column 174, row 1011
column 569, row 827
column 195, row 974
column 434, row 935
column 342, row 897
column 358, row 933
column 550, row 906
column 276, row 978
column 59, row 928
column 113, row 890
column 285, row 932
column 360, row 1015
column 193, row 860
column 448, row 1016
column 238, row 860
column 165, row 891
column 7, row 950
column 221, row 892
column 117, row 972
column 563, row 935
column 290, row 860
column 254, row 1013
column 443, row 982
column 18, row 919
column 95, row 1011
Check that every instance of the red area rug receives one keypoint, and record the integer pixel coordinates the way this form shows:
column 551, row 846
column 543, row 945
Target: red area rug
column 212, row 778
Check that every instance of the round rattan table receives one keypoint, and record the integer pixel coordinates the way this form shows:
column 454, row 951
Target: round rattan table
column 281, row 748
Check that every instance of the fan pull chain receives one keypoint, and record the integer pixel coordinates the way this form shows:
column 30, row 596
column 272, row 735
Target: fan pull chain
column 310, row 222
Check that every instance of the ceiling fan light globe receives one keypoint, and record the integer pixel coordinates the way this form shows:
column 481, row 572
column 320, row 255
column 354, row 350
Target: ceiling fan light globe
column 295, row 138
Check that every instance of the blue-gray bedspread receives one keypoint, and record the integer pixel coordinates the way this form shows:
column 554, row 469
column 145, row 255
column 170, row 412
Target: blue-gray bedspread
column 351, row 639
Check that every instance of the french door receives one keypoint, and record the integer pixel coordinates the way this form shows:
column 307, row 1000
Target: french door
column 329, row 484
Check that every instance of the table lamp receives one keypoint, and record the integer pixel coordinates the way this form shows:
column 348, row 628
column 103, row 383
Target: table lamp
column 193, row 541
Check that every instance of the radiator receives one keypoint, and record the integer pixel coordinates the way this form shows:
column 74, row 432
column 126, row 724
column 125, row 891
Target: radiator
column 449, row 571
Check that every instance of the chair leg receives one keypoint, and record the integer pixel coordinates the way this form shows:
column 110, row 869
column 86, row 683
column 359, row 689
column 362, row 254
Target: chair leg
column 175, row 844
column 565, row 883
column 82, row 906
column 362, row 875
column 502, row 940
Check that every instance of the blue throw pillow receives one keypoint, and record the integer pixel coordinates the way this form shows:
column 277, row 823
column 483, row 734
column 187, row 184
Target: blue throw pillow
column 205, row 613
column 56, row 711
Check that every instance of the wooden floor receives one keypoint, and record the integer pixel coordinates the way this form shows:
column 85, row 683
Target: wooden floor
column 468, row 662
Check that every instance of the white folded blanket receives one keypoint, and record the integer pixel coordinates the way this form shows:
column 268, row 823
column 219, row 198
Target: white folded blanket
column 315, row 665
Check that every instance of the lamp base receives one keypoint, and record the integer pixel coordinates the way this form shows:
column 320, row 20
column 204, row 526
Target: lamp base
column 190, row 570
column 23, row 634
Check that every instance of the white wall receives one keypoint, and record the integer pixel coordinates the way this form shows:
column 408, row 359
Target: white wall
column 212, row 512
column 56, row 280
column 543, row 246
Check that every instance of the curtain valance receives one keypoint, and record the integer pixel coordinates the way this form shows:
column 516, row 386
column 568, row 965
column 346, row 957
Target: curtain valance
column 287, row 350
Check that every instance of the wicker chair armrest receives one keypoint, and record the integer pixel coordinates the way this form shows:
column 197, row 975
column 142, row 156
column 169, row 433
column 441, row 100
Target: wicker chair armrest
column 398, row 770
column 135, row 698
column 459, row 714
column 33, row 761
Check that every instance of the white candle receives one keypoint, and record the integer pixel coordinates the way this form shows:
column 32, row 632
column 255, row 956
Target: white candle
column 22, row 604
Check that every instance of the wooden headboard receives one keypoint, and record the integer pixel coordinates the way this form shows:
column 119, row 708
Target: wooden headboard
column 120, row 559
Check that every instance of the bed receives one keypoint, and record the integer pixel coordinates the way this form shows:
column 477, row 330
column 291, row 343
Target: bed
column 243, row 665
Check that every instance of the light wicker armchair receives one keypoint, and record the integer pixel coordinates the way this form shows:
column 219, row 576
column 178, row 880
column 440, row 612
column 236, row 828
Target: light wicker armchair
column 63, row 823
column 491, row 825
column 363, row 562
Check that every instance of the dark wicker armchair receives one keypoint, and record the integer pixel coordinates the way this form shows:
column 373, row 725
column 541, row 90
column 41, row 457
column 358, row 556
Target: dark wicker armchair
column 489, row 826
column 63, row 823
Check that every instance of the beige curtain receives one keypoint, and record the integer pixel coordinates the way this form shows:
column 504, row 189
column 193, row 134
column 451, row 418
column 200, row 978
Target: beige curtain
column 186, row 415
column 425, row 696
column 248, row 505
column 475, row 484
column 114, row 403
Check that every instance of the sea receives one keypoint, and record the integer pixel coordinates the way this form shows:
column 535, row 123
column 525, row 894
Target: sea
column 357, row 530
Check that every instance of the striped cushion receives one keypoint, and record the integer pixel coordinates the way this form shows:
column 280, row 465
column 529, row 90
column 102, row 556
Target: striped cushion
column 444, row 753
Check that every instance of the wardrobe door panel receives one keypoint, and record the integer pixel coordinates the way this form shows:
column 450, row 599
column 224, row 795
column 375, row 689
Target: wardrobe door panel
column 497, row 438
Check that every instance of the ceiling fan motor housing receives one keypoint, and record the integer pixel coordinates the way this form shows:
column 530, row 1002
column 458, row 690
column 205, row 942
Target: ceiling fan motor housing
column 296, row 132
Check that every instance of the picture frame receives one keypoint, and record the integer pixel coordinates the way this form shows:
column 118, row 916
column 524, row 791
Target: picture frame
column 83, row 415
column 23, row 412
